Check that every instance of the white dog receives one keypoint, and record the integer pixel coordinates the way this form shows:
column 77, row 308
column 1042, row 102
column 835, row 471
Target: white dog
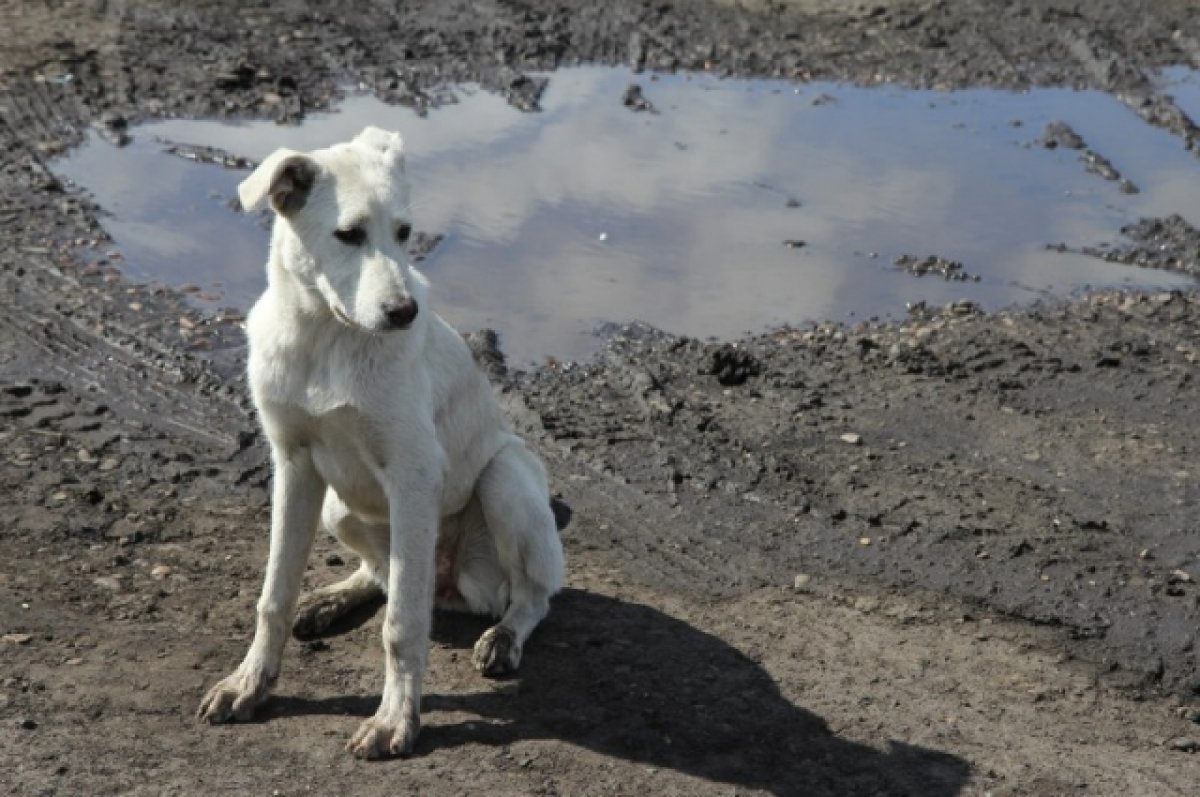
column 383, row 429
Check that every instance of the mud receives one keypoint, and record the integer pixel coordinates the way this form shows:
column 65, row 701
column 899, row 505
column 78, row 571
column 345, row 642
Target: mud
column 936, row 556
column 947, row 269
column 1170, row 244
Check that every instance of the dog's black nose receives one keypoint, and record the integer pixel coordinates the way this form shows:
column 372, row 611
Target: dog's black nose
column 399, row 315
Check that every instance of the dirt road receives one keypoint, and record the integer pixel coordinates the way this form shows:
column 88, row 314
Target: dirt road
column 953, row 555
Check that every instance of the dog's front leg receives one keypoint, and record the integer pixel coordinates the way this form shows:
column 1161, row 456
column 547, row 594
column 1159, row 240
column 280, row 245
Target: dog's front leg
column 297, row 496
column 415, row 507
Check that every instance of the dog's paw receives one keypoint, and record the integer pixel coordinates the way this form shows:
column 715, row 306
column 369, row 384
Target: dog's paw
column 317, row 613
column 497, row 652
column 381, row 737
column 233, row 699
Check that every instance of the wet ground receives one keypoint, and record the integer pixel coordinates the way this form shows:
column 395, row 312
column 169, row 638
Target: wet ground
column 717, row 207
column 954, row 552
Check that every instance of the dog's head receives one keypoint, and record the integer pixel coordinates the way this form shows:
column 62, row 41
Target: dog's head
column 343, row 221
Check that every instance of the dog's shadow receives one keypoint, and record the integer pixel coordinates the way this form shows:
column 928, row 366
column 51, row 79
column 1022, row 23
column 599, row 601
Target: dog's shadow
column 628, row 681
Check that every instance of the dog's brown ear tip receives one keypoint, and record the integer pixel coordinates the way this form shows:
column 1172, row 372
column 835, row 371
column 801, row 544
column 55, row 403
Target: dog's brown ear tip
column 292, row 183
column 285, row 176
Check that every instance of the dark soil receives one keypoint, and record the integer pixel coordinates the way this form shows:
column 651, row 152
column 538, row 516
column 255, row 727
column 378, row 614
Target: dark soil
column 953, row 555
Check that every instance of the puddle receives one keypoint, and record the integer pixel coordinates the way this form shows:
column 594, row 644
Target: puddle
column 589, row 212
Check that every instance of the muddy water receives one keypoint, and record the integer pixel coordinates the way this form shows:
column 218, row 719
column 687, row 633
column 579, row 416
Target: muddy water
column 589, row 212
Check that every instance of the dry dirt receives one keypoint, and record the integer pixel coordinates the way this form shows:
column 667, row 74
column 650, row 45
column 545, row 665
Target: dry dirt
column 956, row 555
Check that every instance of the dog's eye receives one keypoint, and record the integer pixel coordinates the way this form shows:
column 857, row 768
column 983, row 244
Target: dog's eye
column 355, row 236
column 403, row 232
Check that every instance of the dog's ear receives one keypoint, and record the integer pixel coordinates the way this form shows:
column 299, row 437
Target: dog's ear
column 286, row 176
column 390, row 145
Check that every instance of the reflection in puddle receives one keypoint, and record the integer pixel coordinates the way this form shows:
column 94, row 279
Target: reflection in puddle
column 588, row 212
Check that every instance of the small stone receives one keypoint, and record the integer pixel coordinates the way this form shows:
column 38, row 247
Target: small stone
column 109, row 463
column 160, row 571
column 1179, row 577
column 74, row 661
column 18, row 639
column 108, row 582
column 1146, row 553
column 864, row 540
column 801, row 581
column 866, row 605
column 634, row 100
column 1184, row 744
column 852, row 439
column 86, row 456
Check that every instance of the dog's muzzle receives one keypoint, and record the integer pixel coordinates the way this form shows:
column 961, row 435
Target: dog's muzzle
column 399, row 315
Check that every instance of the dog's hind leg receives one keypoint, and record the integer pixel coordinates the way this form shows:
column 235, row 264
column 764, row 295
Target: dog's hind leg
column 323, row 607
column 516, row 505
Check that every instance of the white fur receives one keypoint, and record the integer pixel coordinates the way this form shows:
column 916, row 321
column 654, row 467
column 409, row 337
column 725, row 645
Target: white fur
column 391, row 438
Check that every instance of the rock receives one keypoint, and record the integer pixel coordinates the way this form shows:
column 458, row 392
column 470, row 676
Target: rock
column 851, row 438
column 113, row 128
column 1189, row 713
column 160, row 571
column 1184, row 744
column 950, row 270
column 1179, row 577
column 634, row 100
column 1060, row 134
column 732, row 366
column 866, row 605
column 18, row 639
column 111, row 583
column 801, row 582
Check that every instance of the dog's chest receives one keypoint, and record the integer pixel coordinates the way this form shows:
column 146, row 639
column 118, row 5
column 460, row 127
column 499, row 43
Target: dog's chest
column 349, row 464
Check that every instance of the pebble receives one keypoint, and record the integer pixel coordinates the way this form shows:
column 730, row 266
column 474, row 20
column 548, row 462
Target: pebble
column 801, row 582
column 866, row 605
column 1179, row 577
column 852, row 439
column 1184, row 744
column 1190, row 713
column 160, row 571
column 18, row 639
